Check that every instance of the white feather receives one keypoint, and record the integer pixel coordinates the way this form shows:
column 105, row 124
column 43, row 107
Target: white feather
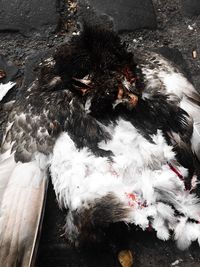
column 185, row 233
column 4, row 88
column 161, row 228
column 165, row 211
column 139, row 176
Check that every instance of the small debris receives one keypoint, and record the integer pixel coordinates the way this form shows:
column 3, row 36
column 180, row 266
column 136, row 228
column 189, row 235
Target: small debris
column 72, row 6
column 176, row 262
column 125, row 258
column 190, row 28
column 2, row 74
column 135, row 40
column 76, row 33
column 194, row 54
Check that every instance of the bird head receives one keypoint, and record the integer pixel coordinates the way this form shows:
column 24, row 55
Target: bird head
column 98, row 67
column 104, row 91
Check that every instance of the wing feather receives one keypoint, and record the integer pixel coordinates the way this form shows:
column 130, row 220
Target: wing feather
column 23, row 189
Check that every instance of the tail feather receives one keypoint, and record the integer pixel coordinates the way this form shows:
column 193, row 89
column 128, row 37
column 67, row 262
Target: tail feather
column 84, row 223
column 22, row 199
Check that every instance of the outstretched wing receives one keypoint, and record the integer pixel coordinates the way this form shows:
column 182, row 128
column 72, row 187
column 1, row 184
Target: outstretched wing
column 23, row 188
column 30, row 130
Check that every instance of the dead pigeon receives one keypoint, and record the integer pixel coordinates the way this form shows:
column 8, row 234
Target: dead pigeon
column 149, row 180
column 108, row 141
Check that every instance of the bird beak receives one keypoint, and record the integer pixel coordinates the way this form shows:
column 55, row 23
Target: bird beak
column 126, row 96
column 83, row 84
column 133, row 99
column 86, row 81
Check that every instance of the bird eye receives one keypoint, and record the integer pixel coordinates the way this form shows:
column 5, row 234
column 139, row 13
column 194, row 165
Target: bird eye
column 108, row 93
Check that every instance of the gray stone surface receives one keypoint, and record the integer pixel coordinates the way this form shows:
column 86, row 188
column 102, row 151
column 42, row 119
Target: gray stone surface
column 25, row 16
column 125, row 15
column 191, row 7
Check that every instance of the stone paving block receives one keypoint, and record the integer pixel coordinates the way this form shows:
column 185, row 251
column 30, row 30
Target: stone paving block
column 25, row 16
column 191, row 7
column 125, row 15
